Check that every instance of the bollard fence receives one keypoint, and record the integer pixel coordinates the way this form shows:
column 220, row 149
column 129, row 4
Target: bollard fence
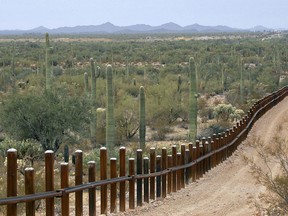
column 186, row 164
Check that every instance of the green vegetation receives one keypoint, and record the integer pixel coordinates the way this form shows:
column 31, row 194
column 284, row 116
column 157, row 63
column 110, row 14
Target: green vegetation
column 161, row 64
column 48, row 118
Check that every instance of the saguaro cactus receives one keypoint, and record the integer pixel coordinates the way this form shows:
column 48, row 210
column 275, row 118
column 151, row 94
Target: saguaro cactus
column 192, row 102
column 94, row 76
column 179, row 84
column 86, row 83
column 241, row 81
column 47, row 68
column 110, row 125
column 66, row 153
column 142, row 123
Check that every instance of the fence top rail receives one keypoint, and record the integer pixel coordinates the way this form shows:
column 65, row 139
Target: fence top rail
column 60, row 192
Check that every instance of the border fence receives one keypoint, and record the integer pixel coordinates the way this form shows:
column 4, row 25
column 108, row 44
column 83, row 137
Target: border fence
column 147, row 178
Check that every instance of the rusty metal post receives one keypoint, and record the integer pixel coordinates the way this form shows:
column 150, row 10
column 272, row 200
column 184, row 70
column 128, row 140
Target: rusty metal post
column 201, row 150
column 64, row 169
column 152, row 170
column 78, row 181
column 182, row 163
column 214, row 147
column 30, row 189
column 179, row 173
column 139, row 172
column 187, row 170
column 204, row 163
column 122, row 172
column 49, row 181
column 158, row 178
column 190, row 149
column 92, row 191
column 194, row 167
column 170, row 160
column 174, row 163
column 113, row 186
column 12, row 179
column 164, row 177
column 146, row 180
column 217, row 154
column 103, row 176
column 209, row 148
column 132, row 184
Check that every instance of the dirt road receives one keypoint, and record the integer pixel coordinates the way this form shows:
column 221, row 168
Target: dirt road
column 230, row 188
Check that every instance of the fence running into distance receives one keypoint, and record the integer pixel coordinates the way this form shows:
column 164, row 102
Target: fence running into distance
column 148, row 178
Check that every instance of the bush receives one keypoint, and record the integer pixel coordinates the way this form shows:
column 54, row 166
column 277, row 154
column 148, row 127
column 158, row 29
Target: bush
column 47, row 117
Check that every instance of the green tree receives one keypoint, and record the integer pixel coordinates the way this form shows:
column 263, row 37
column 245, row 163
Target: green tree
column 46, row 117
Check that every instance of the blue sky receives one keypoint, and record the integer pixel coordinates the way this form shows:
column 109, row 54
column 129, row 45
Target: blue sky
column 27, row 14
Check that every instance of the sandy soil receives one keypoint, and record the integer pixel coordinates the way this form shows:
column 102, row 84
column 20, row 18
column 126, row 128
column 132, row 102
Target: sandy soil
column 230, row 188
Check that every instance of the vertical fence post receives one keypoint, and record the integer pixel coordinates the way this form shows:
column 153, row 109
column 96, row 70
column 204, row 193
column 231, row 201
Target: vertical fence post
column 187, row 170
column 12, row 179
column 78, row 181
column 208, row 144
column 164, row 166
column 30, row 189
column 152, row 170
column 179, row 173
column 132, row 183
column 204, row 163
column 213, row 147
column 194, row 167
column 146, row 180
column 158, row 178
column 174, row 163
column 49, row 180
column 182, row 163
column 139, row 172
column 103, row 176
column 64, row 169
column 198, row 165
column 169, row 174
column 218, row 158
column 190, row 149
column 122, row 156
column 92, row 191
column 113, row 186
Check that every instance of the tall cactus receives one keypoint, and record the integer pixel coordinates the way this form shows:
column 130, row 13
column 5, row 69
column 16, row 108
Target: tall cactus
column 86, row 83
column 192, row 102
column 47, row 68
column 179, row 82
column 241, row 82
column 66, row 153
column 13, row 72
column 142, row 123
column 179, row 90
column 94, row 75
column 110, row 125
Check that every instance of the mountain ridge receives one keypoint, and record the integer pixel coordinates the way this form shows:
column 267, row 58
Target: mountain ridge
column 109, row 28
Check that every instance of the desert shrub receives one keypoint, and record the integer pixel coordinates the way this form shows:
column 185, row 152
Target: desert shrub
column 275, row 180
column 46, row 117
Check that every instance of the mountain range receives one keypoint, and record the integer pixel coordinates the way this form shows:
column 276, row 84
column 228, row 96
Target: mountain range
column 109, row 28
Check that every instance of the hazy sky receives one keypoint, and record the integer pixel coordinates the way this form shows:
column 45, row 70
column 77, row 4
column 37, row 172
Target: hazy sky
column 27, row 14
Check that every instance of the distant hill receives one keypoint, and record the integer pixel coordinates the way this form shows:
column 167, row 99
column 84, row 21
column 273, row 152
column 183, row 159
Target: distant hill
column 109, row 28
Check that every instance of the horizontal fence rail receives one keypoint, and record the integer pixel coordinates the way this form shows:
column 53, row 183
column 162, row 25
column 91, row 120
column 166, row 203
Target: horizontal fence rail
column 152, row 177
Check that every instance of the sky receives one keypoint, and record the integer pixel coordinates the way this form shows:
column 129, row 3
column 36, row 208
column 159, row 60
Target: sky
column 28, row 14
